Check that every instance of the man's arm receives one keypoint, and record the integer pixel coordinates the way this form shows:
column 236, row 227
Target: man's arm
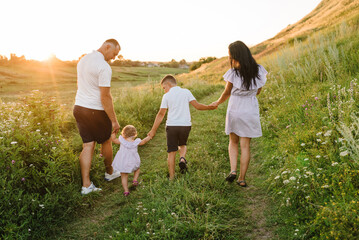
column 200, row 106
column 107, row 103
column 160, row 115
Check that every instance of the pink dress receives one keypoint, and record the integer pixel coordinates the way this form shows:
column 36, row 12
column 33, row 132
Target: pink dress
column 242, row 116
column 127, row 159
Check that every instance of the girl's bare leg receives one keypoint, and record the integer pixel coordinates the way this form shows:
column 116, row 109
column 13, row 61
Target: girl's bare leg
column 245, row 157
column 136, row 175
column 124, row 180
column 233, row 151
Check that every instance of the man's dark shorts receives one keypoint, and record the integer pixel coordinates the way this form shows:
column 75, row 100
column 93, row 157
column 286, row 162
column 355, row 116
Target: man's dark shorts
column 93, row 125
column 176, row 136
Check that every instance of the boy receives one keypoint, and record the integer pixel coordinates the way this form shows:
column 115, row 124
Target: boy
column 178, row 124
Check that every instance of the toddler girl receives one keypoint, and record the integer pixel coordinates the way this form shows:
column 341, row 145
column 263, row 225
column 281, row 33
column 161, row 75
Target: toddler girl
column 127, row 159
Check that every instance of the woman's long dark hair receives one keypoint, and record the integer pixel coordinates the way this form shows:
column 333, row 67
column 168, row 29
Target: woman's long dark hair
column 248, row 68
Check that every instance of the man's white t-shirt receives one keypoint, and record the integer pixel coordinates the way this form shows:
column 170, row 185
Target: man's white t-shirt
column 93, row 72
column 176, row 100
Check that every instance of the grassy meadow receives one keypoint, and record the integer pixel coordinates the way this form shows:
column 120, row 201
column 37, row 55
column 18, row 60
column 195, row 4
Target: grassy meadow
column 304, row 174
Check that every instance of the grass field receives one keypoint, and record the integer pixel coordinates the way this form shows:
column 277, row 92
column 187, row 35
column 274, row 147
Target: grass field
column 59, row 80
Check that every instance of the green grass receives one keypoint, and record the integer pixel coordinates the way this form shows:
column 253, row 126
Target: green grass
column 197, row 205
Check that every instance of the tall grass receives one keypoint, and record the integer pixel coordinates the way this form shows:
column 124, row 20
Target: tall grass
column 310, row 135
column 39, row 147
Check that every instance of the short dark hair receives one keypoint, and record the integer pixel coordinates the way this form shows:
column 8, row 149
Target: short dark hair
column 169, row 78
column 113, row 42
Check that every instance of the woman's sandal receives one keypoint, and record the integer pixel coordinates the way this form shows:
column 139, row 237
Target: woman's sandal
column 230, row 178
column 126, row 194
column 135, row 183
column 242, row 185
column 182, row 164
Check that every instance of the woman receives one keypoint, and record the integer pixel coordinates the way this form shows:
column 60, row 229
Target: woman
column 244, row 81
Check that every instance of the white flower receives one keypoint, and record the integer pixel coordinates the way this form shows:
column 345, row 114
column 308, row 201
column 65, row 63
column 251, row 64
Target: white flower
column 41, row 205
column 286, row 181
column 341, row 139
column 279, row 192
column 342, row 154
column 319, row 140
column 318, row 156
column 297, row 230
column 334, row 163
column 12, row 143
column 305, row 185
column 53, row 148
column 325, row 186
column 303, row 144
column 38, row 130
column 328, row 133
column 284, row 172
column 306, row 159
column 292, row 178
column 38, row 123
column 307, row 197
column 277, row 177
column 323, row 143
column 319, row 133
column 1, row 137
column 309, row 173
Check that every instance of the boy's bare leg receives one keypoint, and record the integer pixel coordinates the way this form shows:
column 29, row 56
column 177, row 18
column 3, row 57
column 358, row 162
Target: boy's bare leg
column 106, row 150
column 171, row 164
column 124, row 180
column 136, row 175
column 85, row 162
column 182, row 151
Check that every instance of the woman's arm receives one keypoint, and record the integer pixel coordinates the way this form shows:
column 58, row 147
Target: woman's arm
column 145, row 140
column 225, row 94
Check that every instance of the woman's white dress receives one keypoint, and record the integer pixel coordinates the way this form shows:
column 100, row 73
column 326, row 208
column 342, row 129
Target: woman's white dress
column 242, row 116
column 127, row 159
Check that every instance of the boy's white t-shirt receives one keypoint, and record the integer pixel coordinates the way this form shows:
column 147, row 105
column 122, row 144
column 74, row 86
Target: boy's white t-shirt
column 93, row 72
column 176, row 100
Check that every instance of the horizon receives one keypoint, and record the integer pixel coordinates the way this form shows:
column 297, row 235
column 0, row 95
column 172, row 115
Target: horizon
column 205, row 31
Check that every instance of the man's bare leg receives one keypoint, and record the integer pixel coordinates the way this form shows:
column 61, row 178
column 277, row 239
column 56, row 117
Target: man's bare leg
column 85, row 162
column 107, row 155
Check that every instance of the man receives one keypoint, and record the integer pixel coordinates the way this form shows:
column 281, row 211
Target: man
column 94, row 111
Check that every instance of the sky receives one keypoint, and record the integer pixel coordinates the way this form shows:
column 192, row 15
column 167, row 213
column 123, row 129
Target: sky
column 147, row 30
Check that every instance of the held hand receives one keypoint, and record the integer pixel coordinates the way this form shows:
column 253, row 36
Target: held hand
column 151, row 134
column 211, row 107
column 214, row 104
column 115, row 127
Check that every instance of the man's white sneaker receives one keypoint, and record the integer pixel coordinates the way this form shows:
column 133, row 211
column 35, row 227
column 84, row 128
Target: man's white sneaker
column 91, row 188
column 110, row 177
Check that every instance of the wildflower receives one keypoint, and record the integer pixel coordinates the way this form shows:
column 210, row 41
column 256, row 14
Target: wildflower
column 292, row 178
column 318, row 156
column 288, row 126
column 341, row 139
column 279, row 192
column 325, row 186
column 29, row 229
column 277, row 177
column 344, row 153
column 306, row 159
column 297, row 230
column 1, row 137
column 13, row 161
column 12, row 143
column 334, row 164
column 303, row 144
column 316, row 98
column 323, row 143
column 284, row 172
column 38, row 130
column 328, row 133
column 309, row 173
column 41, row 205
column 23, row 179
column 286, row 181
column 307, row 197
column 53, row 148
column 319, row 140
column 319, row 133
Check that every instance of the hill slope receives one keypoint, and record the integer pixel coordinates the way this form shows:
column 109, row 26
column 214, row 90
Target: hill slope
column 327, row 15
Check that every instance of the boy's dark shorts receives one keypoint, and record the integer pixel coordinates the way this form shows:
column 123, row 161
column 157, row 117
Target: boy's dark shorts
column 176, row 136
column 93, row 125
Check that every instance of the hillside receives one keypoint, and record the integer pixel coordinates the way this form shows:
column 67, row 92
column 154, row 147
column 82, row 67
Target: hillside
column 327, row 15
